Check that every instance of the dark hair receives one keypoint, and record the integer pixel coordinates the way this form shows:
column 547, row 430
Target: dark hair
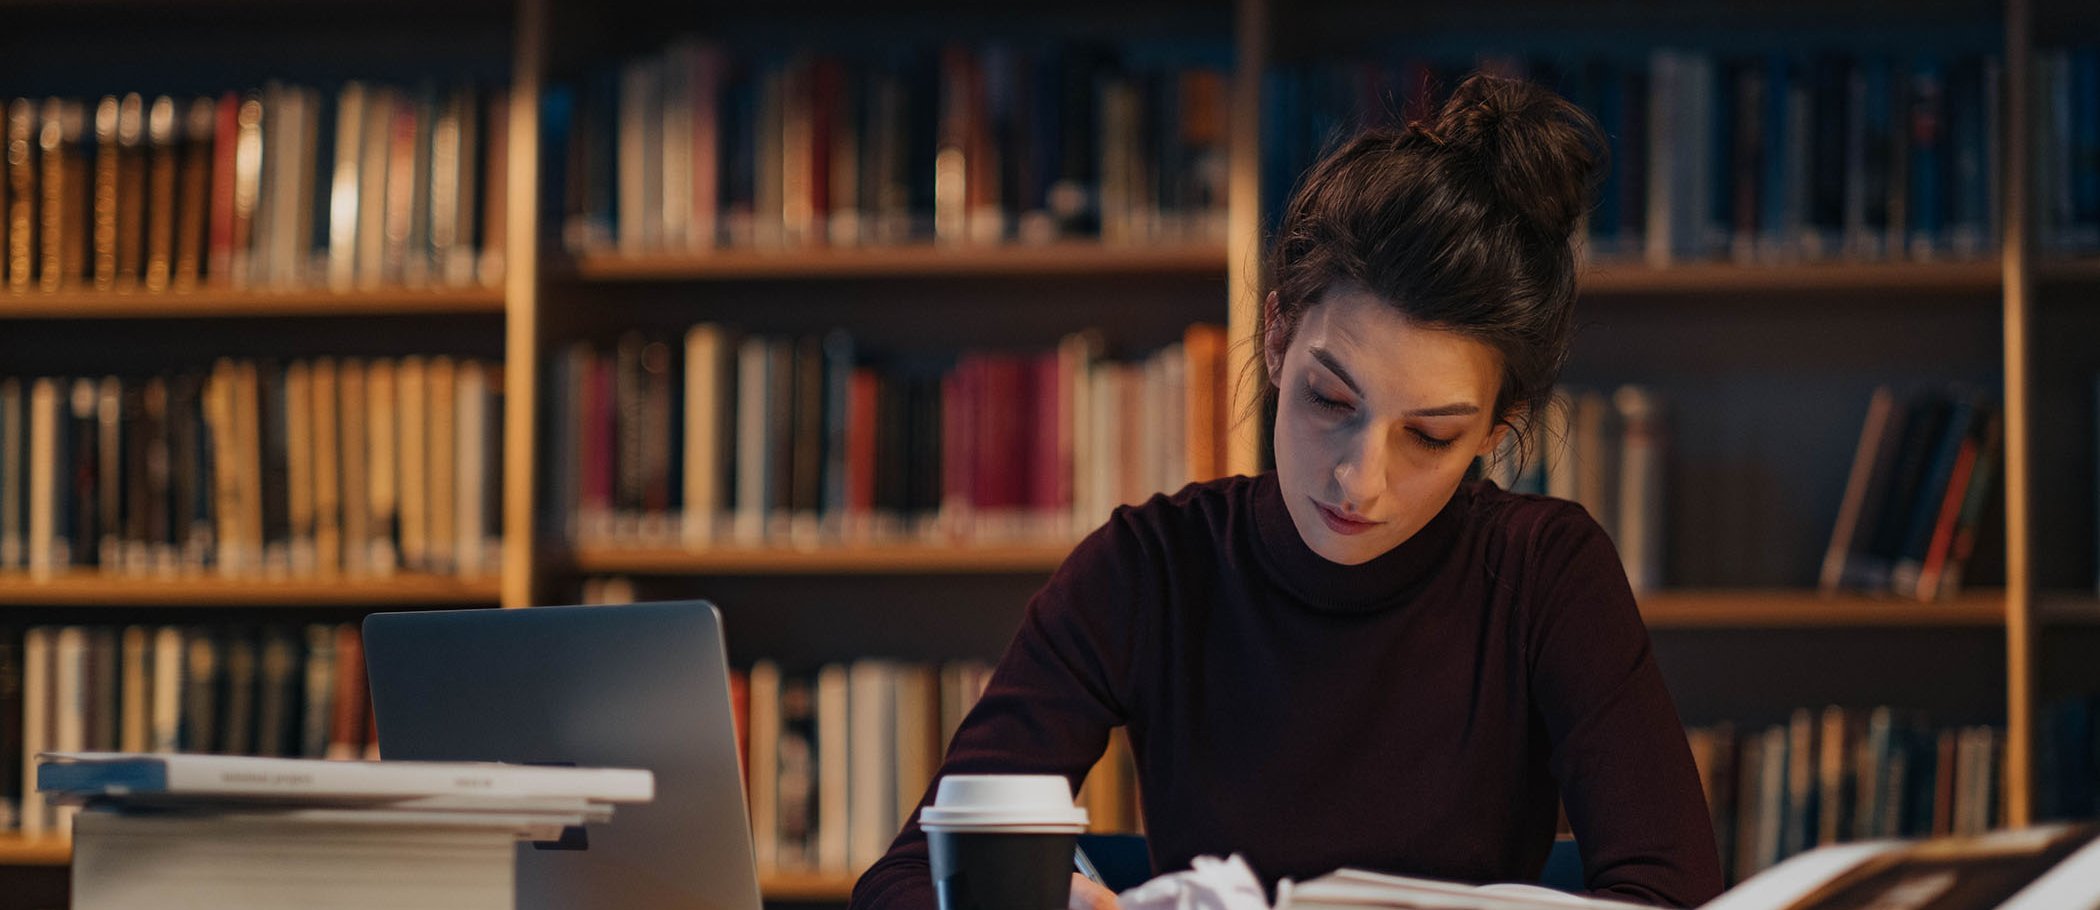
column 1464, row 222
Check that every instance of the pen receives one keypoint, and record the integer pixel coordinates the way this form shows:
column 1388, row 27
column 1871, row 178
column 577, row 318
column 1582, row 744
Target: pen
column 1086, row 866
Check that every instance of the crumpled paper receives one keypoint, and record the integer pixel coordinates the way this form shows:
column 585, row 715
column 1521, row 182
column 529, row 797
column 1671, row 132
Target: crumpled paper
column 1209, row 884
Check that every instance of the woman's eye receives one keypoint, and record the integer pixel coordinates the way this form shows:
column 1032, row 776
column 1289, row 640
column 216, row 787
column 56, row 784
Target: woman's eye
column 1325, row 403
column 1431, row 441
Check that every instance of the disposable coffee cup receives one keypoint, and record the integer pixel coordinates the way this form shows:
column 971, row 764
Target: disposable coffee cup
column 1003, row 841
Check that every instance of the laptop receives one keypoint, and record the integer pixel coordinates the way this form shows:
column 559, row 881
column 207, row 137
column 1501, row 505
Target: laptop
column 635, row 686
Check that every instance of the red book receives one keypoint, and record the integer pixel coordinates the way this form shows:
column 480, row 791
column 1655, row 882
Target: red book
column 1943, row 528
column 352, row 700
column 996, row 400
column 225, row 144
column 863, row 391
column 826, row 90
column 958, row 437
column 1050, row 471
column 706, row 183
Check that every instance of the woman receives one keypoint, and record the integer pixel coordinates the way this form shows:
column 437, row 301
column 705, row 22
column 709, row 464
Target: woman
column 1361, row 659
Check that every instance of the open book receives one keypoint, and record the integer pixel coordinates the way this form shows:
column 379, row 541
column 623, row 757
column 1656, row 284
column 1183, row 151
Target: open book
column 2052, row 867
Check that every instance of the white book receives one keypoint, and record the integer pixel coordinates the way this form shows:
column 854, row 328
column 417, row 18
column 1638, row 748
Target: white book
column 232, row 777
column 764, row 796
column 36, row 724
column 708, row 384
column 122, row 861
column 166, row 720
column 135, row 732
column 833, row 770
column 1352, row 888
column 470, row 452
column 342, row 193
column 871, row 724
column 43, row 546
column 753, row 467
column 1640, row 506
column 69, row 706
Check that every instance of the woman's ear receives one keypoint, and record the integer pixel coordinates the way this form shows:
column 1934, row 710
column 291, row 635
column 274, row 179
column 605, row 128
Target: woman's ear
column 1275, row 339
column 1501, row 431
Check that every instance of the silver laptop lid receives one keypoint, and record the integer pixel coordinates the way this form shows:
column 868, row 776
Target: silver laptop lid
column 635, row 686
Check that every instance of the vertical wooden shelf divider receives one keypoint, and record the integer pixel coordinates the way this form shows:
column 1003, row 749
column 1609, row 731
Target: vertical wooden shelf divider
column 521, row 324
column 2018, row 316
column 1243, row 246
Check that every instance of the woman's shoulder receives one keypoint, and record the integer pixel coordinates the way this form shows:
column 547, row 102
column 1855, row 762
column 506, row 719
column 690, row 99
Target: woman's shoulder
column 1530, row 525
column 1175, row 525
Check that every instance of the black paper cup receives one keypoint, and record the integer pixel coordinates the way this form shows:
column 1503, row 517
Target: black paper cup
column 1003, row 841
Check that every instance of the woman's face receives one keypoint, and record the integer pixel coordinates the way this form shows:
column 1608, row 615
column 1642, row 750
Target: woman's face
column 1377, row 420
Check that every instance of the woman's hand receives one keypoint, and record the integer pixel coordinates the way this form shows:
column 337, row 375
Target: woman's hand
column 1086, row 895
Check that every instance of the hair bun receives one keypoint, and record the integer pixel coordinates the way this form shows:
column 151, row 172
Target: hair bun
column 1540, row 154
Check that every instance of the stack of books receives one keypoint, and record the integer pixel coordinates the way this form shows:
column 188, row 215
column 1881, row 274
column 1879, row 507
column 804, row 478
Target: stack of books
column 237, row 833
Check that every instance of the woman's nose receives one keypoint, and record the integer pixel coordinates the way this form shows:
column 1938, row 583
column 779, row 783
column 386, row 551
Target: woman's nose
column 1362, row 475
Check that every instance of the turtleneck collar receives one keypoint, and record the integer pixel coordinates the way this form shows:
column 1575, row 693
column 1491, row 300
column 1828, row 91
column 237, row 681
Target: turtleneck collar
column 1324, row 585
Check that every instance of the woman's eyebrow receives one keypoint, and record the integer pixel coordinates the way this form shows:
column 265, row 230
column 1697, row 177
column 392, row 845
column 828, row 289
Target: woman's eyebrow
column 1456, row 409
column 1335, row 366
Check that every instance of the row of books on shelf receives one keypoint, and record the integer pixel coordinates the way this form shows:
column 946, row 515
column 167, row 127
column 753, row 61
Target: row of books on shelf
column 699, row 147
column 282, row 187
column 273, row 690
column 1763, row 158
column 1607, row 451
column 1919, row 488
column 837, row 758
column 764, row 440
column 2067, row 149
column 1841, row 775
column 312, row 468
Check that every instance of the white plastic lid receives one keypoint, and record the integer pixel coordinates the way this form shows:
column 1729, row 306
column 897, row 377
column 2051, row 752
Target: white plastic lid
column 1018, row 803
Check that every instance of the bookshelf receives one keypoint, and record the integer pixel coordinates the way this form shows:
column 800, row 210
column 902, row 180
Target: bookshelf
column 89, row 589
column 925, row 262
column 225, row 303
column 549, row 297
column 922, row 559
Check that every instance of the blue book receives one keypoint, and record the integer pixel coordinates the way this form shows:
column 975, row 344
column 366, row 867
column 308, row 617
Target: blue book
column 1928, row 138
column 2085, row 149
column 1776, row 181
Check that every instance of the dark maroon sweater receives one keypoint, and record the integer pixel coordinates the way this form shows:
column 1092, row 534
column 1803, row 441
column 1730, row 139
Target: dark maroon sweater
column 1418, row 714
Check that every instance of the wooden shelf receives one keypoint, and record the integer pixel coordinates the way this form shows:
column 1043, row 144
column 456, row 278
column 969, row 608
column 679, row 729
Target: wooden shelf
column 806, row 887
column 1982, row 276
column 898, row 559
column 88, row 589
column 228, row 302
column 17, row 850
column 1807, row 609
column 1201, row 260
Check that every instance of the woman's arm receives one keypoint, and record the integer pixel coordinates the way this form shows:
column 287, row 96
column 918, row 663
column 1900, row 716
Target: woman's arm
column 1626, row 775
column 1048, row 708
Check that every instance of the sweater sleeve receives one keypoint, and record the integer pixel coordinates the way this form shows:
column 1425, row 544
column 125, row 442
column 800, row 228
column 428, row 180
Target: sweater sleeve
column 1049, row 705
column 1619, row 753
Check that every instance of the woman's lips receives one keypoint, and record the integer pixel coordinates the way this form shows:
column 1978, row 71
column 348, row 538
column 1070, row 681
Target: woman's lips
column 1343, row 524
